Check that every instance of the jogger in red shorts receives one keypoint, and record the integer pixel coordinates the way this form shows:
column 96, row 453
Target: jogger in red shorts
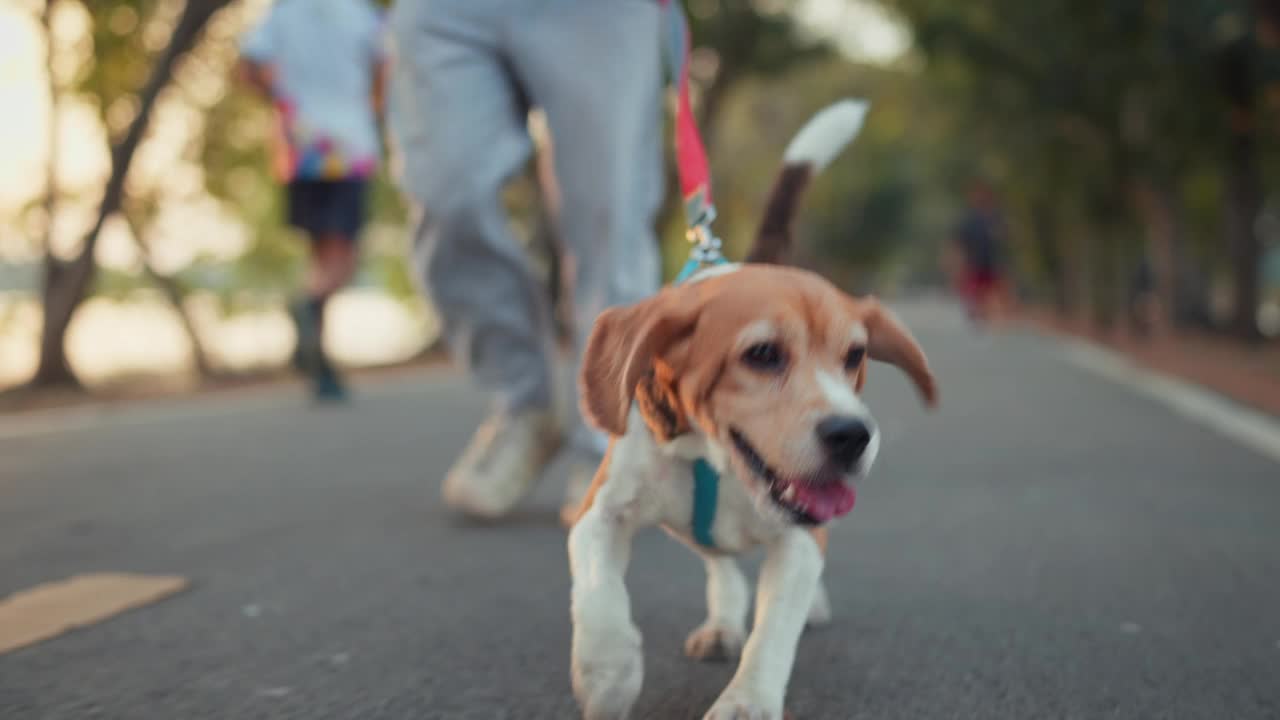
column 979, row 238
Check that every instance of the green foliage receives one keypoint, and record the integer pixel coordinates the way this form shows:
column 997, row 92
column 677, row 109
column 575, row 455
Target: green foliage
column 121, row 56
column 1072, row 108
column 232, row 147
column 749, row 41
column 1068, row 108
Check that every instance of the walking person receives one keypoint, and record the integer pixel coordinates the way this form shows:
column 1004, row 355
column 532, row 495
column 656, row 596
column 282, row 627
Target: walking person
column 322, row 64
column 467, row 73
column 979, row 238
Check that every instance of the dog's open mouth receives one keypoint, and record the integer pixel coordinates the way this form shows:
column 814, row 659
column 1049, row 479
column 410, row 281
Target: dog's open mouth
column 811, row 500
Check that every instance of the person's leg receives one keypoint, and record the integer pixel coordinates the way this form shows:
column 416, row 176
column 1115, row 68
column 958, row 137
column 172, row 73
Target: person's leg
column 606, row 122
column 331, row 213
column 993, row 297
column 462, row 129
column 335, row 257
column 339, row 243
column 333, row 264
column 306, row 212
column 974, row 297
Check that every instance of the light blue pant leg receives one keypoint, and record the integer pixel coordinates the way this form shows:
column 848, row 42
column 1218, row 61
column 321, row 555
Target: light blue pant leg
column 595, row 67
column 462, row 132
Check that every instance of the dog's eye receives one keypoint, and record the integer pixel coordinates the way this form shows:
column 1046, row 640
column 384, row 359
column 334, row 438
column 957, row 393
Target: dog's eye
column 766, row 356
column 854, row 358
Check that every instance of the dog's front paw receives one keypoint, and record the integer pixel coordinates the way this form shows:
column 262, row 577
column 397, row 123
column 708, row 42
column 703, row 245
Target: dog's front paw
column 741, row 705
column 714, row 641
column 608, row 670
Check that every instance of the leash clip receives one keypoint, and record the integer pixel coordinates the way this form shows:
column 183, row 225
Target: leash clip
column 706, row 246
column 699, row 214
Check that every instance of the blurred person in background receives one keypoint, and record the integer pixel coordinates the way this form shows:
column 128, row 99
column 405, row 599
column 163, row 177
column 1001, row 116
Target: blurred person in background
column 467, row 73
column 979, row 242
column 322, row 64
column 1144, row 305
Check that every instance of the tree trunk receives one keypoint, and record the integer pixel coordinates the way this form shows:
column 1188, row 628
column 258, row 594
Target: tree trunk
column 1050, row 249
column 1245, row 198
column 1104, row 290
column 1189, row 286
column 1238, row 77
column 1157, row 207
column 1106, row 274
column 53, row 369
column 50, row 202
column 58, row 304
column 175, row 296
column 67, row 283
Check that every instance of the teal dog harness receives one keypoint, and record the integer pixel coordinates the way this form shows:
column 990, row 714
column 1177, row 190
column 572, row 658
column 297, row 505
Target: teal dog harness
column 706, row 491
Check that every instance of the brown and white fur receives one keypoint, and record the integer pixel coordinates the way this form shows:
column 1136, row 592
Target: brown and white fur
column 749, row 367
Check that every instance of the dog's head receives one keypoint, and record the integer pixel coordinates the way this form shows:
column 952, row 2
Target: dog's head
column 767, row 363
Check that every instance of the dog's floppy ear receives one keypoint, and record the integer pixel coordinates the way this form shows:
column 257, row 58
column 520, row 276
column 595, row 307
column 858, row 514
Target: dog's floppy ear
column 621, row 350
column 888, row 340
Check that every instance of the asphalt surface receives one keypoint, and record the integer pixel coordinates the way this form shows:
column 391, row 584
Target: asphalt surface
column 1047, row 545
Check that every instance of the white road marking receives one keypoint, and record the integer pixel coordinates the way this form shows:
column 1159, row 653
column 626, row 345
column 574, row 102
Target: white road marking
column 1250, row 428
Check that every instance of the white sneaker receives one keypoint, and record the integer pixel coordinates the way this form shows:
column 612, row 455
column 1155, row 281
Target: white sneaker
column 580, row 476
column 500, row 466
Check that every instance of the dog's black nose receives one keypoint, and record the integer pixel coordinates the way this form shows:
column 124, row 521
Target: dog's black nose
column 844, row 438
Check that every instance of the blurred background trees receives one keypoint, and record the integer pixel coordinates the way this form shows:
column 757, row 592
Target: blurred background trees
column 1121, row 137
column 1121, row 133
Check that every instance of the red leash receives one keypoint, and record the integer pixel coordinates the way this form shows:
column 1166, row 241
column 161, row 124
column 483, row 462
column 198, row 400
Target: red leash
column 691, row 154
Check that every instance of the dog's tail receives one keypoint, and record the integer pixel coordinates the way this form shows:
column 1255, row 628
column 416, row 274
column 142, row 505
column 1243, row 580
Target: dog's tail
column 812, row 149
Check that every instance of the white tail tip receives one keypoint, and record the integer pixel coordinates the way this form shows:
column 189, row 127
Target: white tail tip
column 826, row 134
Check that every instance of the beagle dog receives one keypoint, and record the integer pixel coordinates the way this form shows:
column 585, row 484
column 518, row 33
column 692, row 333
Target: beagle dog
column 732, row 402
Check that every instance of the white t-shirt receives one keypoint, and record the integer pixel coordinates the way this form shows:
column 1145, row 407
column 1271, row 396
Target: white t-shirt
column 323, row 53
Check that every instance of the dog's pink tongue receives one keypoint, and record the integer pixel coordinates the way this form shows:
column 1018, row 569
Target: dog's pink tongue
column 825, row 501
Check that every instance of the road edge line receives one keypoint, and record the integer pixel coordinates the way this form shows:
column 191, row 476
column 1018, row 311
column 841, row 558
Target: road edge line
column 1238, row 423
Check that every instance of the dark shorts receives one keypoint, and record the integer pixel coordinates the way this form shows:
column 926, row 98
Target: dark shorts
column 326, row 207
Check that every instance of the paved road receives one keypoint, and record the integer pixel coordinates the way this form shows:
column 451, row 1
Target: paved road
column 1049, row 545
